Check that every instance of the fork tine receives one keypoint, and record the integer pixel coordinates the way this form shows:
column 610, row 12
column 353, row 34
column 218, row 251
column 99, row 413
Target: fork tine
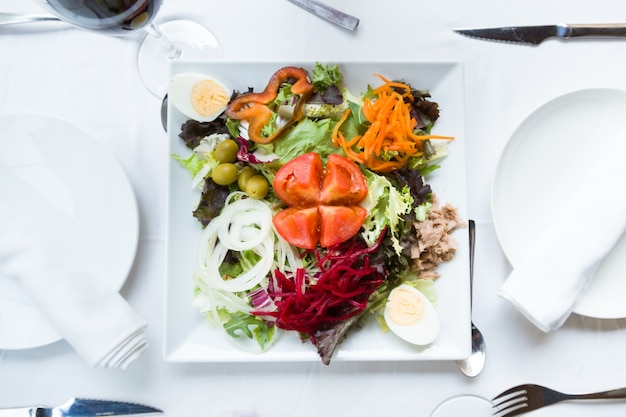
column 520, row 388
column 511, row 405
column 522, row 408
column 515, row 397
column 513, row 401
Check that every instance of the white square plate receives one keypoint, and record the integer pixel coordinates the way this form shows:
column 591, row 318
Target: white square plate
column 188, row 338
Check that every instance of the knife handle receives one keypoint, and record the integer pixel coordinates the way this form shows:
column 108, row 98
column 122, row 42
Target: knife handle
column 597, row 30
column 329, row 13
column 17, row 412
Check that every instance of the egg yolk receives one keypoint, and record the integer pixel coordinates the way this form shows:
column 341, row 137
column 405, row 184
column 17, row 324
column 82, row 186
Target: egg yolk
column 208, row 97
column 405, row 307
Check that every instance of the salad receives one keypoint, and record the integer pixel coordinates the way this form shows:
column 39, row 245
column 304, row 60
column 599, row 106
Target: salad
column 314, row 203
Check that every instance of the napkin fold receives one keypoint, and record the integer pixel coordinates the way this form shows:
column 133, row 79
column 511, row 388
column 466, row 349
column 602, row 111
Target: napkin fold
column 84, row 308
column 556, row 270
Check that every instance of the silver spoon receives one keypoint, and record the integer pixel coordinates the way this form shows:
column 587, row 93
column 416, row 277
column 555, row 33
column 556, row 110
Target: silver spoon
column 12, row 18
column 475, row 363
column 164, row 112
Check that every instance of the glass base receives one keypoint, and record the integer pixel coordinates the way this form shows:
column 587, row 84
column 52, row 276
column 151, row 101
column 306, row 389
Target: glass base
column 192, row 40
column 464, row 406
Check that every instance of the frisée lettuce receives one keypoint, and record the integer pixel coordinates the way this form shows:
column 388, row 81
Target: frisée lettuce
column 386, row 206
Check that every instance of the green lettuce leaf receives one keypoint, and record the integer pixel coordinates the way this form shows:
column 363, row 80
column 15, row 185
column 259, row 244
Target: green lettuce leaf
column 323, row 76
column 385, row 205
column 307, row 136
column 253, row 327
column 193, row 163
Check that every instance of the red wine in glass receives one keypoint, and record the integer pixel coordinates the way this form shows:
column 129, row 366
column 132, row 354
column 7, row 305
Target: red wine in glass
column 113, row 17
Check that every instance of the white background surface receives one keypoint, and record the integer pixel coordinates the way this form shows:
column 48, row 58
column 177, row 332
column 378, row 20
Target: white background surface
column 91, row 81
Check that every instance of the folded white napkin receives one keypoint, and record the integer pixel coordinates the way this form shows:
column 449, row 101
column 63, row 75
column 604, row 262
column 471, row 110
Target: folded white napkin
column 557, row 269
column 88, row 312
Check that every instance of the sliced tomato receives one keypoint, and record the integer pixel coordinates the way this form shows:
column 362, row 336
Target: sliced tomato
column 343, row 183
column 299, row 226
column 339, row 223
column 297, row 183
column 323, row 202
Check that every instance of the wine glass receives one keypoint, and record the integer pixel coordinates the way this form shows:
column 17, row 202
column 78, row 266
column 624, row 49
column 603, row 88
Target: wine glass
column 162, row 44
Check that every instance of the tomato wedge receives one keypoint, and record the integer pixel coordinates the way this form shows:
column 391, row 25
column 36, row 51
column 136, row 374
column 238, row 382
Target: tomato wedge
column 323, row 202
column 339, row 223
column 297, row 183
column 343, row 183
column 299, row 226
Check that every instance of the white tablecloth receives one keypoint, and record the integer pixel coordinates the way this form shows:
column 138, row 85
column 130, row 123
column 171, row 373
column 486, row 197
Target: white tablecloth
column 91, row 81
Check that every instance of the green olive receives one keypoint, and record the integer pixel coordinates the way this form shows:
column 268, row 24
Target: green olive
column 226, row 151
column 257, row 187
column 245, row 174
column 224, row 174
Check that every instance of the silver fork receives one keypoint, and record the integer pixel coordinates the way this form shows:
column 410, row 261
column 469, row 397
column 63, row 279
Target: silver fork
column 528, row 397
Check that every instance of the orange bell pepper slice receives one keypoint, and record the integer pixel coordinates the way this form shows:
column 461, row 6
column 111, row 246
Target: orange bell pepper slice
column 254, row 107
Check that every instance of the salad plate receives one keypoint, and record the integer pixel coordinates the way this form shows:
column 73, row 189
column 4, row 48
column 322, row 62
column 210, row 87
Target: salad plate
column 189, row 338
column 545, row 160
column 50, row 172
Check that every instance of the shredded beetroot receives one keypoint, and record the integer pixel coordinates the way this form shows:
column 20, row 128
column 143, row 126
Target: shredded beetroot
column 340, row 291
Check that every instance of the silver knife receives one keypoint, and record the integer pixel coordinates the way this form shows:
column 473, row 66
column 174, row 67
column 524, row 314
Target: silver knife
column 326, row 12
column 81, row 407
column 534, row 35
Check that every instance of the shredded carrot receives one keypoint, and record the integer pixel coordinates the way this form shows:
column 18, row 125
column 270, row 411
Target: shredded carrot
column 390, row 140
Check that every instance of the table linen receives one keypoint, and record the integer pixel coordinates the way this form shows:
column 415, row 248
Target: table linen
column 91, row 81
column 86, row 310
column 554, row 272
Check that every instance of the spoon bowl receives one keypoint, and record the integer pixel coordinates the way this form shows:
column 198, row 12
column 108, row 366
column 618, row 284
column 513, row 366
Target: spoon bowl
column 164, row 112
column 474, row 364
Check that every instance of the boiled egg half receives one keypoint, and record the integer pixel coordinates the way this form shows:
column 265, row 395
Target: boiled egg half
column 411, row 316
column 198, row 96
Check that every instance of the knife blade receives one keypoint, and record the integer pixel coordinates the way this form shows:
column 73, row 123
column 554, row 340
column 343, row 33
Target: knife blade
column 329, row 13
column 534, row 35
column 82, row 407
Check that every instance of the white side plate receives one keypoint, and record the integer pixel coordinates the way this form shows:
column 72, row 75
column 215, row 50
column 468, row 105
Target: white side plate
column 544, row 160
column 76, row 191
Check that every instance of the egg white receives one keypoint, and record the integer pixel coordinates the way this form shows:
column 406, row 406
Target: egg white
column 179, row 94
column 424, row 331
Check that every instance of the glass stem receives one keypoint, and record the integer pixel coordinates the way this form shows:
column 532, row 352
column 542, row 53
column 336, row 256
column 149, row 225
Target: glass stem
column 172, row 51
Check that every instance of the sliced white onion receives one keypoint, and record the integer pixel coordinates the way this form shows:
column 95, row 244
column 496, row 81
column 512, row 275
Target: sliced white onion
column 198, row 179
column 243, row 129
column 208, row 299
column 205, row 246
column 248, row 279
column 244, row 224
column 240, row 220
column 287, row 259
